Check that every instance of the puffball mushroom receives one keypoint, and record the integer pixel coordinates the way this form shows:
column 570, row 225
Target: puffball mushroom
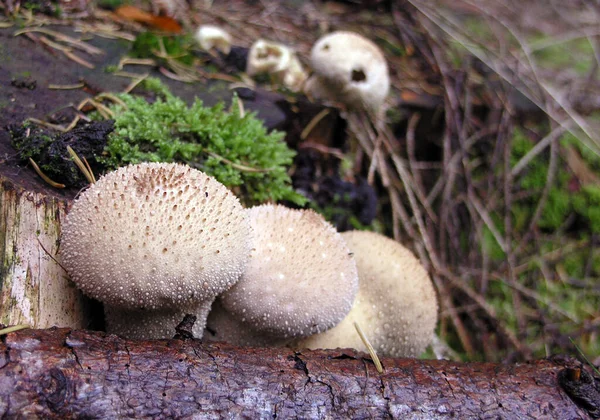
column 350, row 69
column 210, row 36
column 300, row 279
column 277, row 60
column 160, row 238
column 396, row 306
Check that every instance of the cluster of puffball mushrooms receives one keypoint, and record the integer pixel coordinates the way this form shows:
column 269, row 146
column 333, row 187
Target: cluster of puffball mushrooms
column 156, row 241
column 348, row 68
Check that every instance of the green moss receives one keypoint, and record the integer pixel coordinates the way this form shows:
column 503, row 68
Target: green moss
column 587, row 204
column 576, row 54
column 178, row 47
column 490, row 246
column 562, row 200
column 590, row 157
column 237, row 150
column 557, row 208
column 533, row 179
column 111, row 4
column 154, row 85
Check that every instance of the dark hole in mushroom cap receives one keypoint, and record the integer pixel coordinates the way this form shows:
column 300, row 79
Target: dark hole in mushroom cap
column 358, row 75
column 326, row 47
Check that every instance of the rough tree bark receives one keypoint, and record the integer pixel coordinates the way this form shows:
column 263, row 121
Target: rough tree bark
column 63, row 373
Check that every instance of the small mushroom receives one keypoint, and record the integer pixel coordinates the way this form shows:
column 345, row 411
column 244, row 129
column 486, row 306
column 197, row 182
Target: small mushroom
column 300, row 279
column 277, row 60
column 396, row 306
column 210, row 36
column 349, row 69
column 155, row 238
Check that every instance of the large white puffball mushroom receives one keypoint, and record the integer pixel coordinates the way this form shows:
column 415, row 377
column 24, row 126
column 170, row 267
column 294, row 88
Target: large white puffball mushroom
column 156, row 237
column 300, row 279
column 396, row 306
column 349, row 69
column 210, row 36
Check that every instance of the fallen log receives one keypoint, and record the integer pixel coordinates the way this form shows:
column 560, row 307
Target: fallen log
column 64, row 373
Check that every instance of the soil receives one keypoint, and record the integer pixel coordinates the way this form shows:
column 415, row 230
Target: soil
column 28, row 69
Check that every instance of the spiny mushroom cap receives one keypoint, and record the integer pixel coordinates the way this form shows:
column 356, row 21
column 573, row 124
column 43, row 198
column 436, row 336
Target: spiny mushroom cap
column 210, row 36
column 222, row 326
column 396, row 306
column 300, row 279
column 155, row 235
column 354, row 69
column 268, row 57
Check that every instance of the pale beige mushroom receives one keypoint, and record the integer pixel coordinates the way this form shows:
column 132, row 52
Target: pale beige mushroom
column 396, row 306
column 300, row 279
column 210, row 36
column 348, row 69
column 277, row 60
column 156, row 238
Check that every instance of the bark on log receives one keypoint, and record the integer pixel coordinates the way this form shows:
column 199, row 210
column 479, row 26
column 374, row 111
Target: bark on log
column 34, row 289
column 63, row 373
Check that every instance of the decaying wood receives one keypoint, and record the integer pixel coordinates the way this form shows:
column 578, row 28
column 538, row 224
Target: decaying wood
column 63, row 373
column 34, row 289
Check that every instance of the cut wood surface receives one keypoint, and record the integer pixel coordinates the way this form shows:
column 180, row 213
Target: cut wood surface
column 63, row 373
column 34, row 289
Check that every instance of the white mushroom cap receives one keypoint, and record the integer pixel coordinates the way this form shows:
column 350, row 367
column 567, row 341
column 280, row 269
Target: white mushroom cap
column 277, row 60
column 396, row 306
column 210, row 36
column 300, row 279
column 222, row 326
column 349, row 68
column 268, row 57
column 155, row 236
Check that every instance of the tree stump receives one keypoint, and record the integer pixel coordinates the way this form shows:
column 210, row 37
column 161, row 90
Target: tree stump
column 34, row 289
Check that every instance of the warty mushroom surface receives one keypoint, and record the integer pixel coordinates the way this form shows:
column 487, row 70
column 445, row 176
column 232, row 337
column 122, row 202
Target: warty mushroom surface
column 396, row 306
column 300, row 279
column 155, row 237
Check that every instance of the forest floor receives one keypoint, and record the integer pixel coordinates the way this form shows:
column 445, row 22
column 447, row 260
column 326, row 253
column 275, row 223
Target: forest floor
column 487, row 163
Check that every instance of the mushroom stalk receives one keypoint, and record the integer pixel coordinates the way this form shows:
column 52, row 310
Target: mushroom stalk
column 148, row 324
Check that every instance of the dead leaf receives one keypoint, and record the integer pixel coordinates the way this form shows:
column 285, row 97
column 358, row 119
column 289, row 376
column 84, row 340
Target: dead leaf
column 167, row 24
column 135, row 14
